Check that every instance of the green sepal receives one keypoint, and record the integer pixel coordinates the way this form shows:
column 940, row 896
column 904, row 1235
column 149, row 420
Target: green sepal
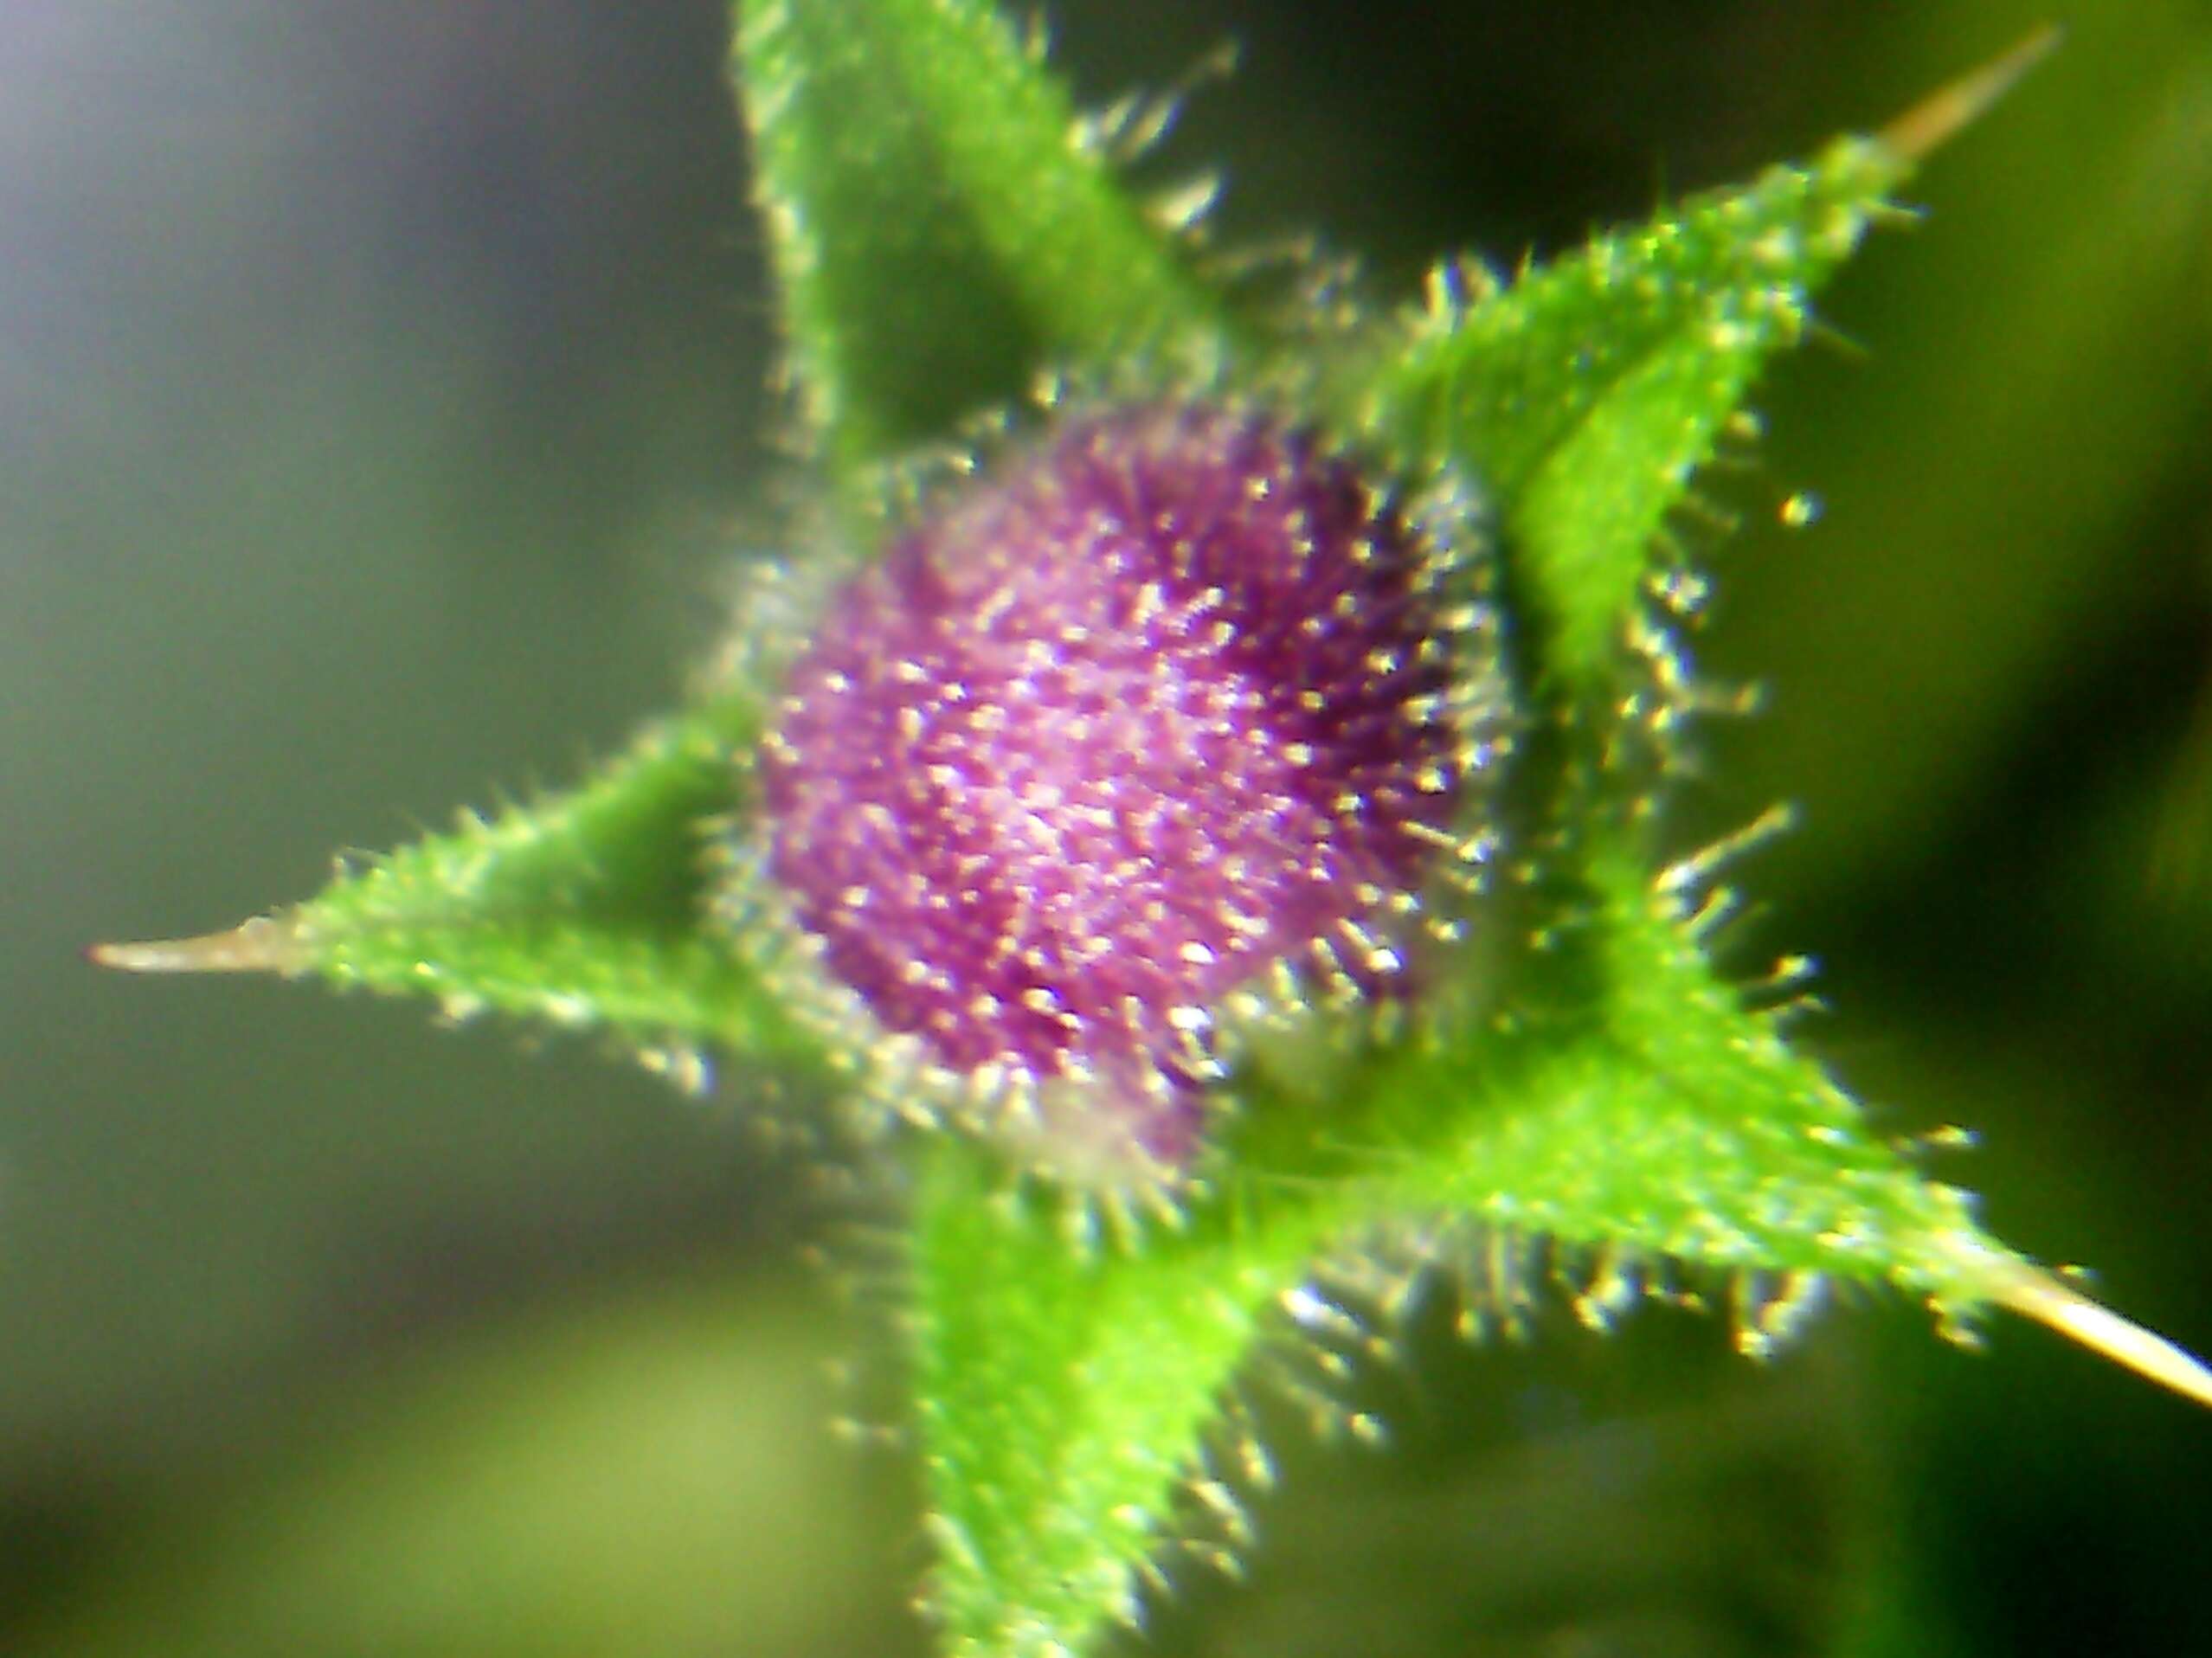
column 1649, row 1109
column 592, row 909
column 1060, row 1393
column 941, row 231
column 1584, row 393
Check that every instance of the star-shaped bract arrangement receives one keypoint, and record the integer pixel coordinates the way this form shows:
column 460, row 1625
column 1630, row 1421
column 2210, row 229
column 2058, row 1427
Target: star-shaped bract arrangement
column 1171, row 812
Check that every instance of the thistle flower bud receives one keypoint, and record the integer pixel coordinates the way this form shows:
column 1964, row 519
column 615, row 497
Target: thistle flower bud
column 1160, row 716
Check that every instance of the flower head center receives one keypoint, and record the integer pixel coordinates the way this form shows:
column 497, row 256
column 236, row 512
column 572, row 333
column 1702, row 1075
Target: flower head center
column 1156, row 712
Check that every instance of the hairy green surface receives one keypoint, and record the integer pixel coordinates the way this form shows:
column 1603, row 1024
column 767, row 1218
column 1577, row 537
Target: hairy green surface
column 1620, row 1097
column 1588, row 392
column 589, row 909
column 945, row 234
column 939, row 228
column 1062, row 1389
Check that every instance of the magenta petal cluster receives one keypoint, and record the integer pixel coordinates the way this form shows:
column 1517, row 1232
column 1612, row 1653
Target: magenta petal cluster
column 1154, row 712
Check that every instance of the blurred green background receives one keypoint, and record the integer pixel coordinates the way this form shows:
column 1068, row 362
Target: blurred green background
column 380, row 398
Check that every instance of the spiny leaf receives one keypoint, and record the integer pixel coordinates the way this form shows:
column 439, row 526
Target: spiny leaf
column 941, row 231
column 589, row 909
column 1586, row 392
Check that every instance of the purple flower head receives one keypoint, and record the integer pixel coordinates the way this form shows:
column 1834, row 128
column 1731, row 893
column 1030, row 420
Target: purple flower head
column 1159, row 714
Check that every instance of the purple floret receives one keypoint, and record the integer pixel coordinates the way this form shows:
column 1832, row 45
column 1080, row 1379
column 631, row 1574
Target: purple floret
column 1157, row 708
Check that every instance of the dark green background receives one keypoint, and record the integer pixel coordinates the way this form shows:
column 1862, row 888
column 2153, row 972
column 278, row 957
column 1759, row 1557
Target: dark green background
column 381, row 394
